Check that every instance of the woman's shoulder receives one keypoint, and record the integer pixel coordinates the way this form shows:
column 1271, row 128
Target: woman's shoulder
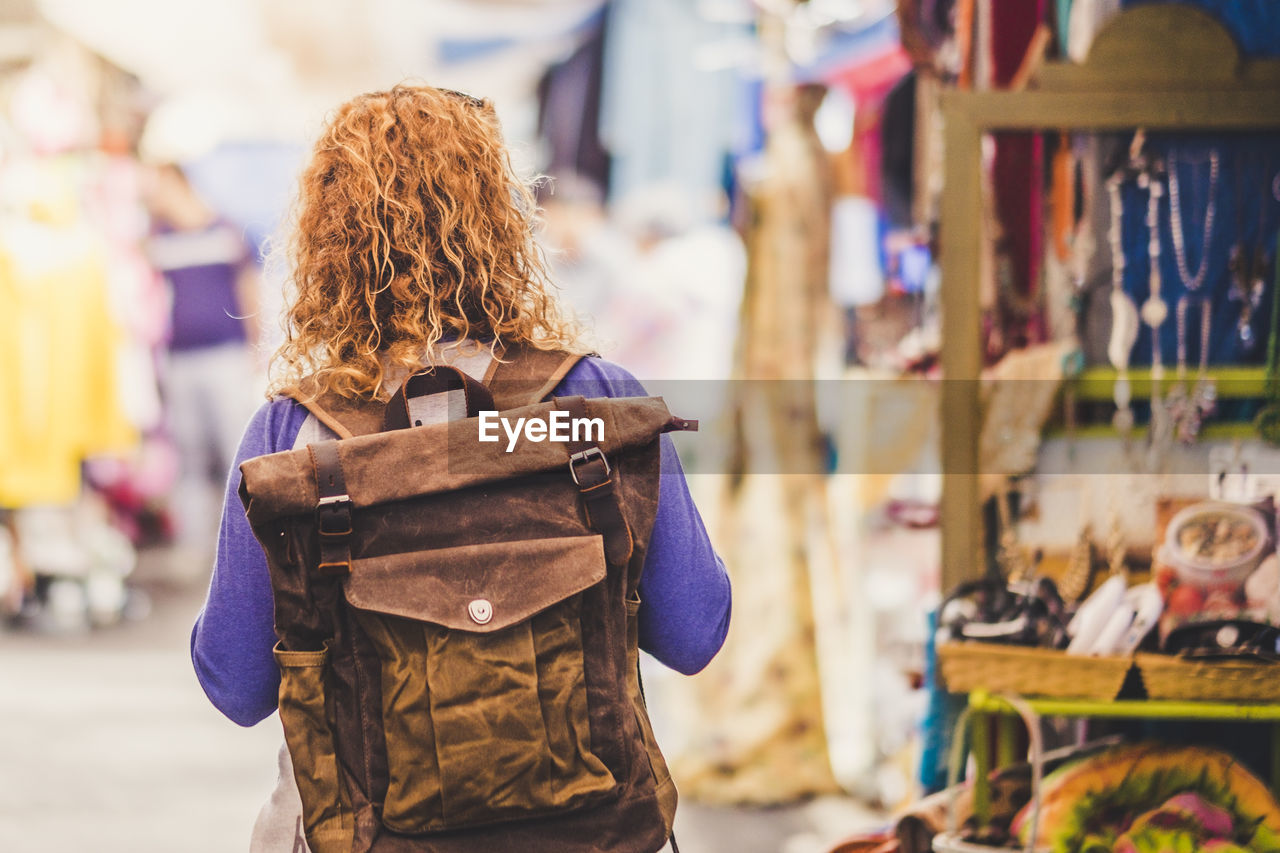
column 273, row 427
column 594, row 376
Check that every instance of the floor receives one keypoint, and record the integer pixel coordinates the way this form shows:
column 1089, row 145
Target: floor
column 108, row 744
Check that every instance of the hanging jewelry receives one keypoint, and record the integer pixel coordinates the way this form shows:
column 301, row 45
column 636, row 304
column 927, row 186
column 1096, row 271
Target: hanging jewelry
column 1124, row 317
column 1188, row 411
column 1238, row 267
column 1249, row 268
column 1154, row 312
column 1268, row 420
column 1191, row 282
column 1263, row 254
column 1116, row 548
column 1203, row 398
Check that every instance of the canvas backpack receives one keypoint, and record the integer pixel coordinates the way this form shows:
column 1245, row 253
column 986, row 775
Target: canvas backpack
column 457, row 618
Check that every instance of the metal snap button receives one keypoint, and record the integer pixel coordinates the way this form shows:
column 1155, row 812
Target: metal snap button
column 480, row 611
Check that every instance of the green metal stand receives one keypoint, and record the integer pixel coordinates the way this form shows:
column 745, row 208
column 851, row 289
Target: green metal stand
column 984, row 706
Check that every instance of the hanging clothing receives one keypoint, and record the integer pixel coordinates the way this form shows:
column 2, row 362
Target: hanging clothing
column 759, row 734
column 1061, row 28
column 1016, row 178
column 58, row 378
column 897, row 166
column 666, row 118
column 1086, row 18
column 569, row 114
column 201, row 266
column 857, row 276
column 208, row 375
column 927, row 27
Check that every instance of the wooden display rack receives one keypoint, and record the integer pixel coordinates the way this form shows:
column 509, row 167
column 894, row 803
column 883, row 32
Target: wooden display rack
column 1159, row 67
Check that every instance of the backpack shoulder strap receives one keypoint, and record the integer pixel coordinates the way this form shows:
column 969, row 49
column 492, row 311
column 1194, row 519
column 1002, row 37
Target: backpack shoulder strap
column 519, row 376
column 523, row 375
column 345, row 417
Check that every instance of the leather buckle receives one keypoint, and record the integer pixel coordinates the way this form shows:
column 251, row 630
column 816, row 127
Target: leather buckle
column 333, row 515
column 583, row 457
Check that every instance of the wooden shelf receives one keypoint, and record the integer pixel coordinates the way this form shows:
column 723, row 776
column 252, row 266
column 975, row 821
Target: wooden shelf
column 1162, row 67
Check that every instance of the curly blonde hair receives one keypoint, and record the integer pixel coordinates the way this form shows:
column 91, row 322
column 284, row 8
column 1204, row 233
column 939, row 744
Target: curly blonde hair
column 410, row 227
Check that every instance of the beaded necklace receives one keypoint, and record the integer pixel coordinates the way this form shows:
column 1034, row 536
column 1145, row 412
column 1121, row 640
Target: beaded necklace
column 1189, row 408
column 1124, row 316
column 1154, row 312
column 1191, row 282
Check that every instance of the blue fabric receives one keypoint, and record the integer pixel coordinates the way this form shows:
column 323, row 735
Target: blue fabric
column 1062, row 18
column 249, row 183
column 1254, row 24
column 942, row 710
column 844, row 48
column 1246, row 211
column 666, row 115
column 685, row 589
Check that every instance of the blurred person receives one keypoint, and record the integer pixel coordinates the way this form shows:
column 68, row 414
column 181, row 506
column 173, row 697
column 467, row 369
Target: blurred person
column 208, row 373
column 413, row 245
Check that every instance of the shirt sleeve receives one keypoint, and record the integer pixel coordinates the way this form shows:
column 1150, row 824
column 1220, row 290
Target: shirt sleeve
column 684, row 588
column 233, row 637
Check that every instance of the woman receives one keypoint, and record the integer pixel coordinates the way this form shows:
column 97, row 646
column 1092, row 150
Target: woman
column 413, row 242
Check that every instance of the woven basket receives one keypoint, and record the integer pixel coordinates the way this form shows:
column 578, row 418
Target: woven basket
column 1172, row 677
column 1030, row 671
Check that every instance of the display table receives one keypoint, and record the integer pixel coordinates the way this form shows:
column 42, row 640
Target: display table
column 984, row 705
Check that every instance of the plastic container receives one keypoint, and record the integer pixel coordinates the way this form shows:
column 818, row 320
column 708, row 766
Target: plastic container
column 1214, row 544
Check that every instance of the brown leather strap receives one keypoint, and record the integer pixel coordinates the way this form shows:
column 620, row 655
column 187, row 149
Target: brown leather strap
column 522, row 375
column 595, row 480
column 681, row 425
column 333, row 509
column 345, row 416
column 435, row 380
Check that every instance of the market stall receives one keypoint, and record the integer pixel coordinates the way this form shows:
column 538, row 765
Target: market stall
column 1108, row 510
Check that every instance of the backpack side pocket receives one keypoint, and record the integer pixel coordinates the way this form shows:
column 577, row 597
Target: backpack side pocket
column 326, row 813
column 666, row 789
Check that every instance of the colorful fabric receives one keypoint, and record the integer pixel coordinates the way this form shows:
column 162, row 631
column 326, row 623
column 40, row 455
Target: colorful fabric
column 58, row 347
column 201, row 267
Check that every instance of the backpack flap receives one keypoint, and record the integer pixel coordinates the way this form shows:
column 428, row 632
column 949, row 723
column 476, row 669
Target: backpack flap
column 481, row 588
column 393, row 466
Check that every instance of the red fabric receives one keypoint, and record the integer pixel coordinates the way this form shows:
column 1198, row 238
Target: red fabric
column 868, row 146
column 868, row 80
column 872, row 76
column 1019, row 160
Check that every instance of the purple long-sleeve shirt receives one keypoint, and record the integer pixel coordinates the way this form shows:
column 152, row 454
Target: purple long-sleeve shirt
column 684, row 587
